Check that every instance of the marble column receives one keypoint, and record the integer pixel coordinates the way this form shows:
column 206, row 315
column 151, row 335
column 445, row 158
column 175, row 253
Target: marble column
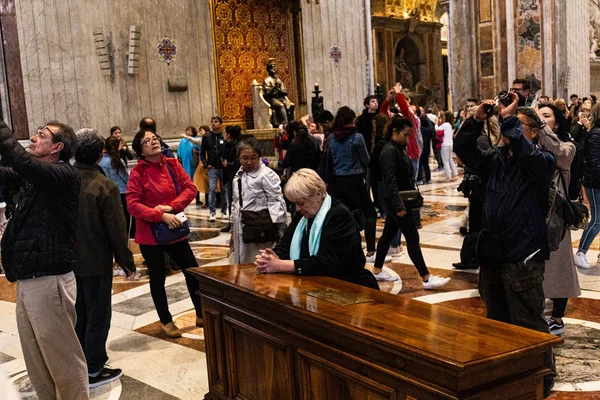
column 462, row 52
column 578, row 47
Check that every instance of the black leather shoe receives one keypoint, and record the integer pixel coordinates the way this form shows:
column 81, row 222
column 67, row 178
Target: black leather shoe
column 226, row 229
column 460, row 265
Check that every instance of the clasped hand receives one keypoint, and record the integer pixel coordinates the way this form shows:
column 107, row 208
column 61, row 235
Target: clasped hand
column 171, row 220
column 267, row 262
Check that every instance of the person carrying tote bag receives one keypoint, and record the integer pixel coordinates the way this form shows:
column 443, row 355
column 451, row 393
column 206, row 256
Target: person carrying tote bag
column 258, row 211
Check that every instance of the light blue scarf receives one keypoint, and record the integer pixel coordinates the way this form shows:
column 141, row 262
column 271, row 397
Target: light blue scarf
column 314, row 239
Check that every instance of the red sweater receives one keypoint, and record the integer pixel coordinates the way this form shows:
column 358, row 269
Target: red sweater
column 412, row 147
column 150, row 185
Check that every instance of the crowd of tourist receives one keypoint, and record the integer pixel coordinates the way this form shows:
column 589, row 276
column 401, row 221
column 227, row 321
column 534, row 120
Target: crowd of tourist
column 524, row 157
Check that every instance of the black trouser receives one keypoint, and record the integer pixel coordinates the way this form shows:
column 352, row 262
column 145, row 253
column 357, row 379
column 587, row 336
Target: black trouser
column 128, row 218
column 405, row 224
column 514, row 294
column 93, row 306
column 424, row 162
column 183, row 255
column 438, row 158
column 352, row 192
column 475, row 213
column 558, row 307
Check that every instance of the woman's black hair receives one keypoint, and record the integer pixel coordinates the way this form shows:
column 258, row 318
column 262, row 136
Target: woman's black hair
column 235, row 131
column 136, row 144
column 344, row 116
column 298, row 131
column 111, row 145
column 561, row 128
column 398, row 123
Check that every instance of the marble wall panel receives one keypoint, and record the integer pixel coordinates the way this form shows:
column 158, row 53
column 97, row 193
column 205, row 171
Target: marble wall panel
column 341, row 23
column 529, row 40
column 62, row 76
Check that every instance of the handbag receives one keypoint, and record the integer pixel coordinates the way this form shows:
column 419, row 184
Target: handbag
column 412, row 199
column 581, row 214
column 326, row 164
column 257, row 226
column 560, row 217
column 161, row 231
column 484, row 247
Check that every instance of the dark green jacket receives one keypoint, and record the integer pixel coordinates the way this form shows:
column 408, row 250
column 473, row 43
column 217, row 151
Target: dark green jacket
column 101, row 228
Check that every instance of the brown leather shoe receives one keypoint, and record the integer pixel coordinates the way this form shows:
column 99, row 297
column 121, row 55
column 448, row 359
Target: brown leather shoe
column 199, row 322
column 171, row 330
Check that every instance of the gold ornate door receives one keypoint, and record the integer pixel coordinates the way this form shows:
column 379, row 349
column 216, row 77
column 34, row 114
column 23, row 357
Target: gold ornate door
column 247, row 33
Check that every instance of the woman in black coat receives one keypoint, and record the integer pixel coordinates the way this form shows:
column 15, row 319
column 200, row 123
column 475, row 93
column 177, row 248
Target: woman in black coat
column 323, row 239
column 303, row 152
column 398, row 176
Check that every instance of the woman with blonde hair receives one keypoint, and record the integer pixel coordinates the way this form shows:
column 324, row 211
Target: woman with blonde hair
column 322, row 240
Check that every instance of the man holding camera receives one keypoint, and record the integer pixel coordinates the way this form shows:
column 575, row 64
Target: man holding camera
column 514, row 213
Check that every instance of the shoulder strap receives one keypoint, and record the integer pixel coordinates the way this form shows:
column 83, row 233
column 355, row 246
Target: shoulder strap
column 240, row 191
column 172, row 177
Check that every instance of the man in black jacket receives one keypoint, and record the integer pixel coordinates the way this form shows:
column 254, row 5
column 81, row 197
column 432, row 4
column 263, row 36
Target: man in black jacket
column 211, row 155
column 101, row 233
column 519, row 174
column 38, row 251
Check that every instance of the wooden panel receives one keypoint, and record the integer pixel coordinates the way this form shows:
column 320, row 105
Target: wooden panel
column 323, row 379
column 269, row 375
column 215, row 353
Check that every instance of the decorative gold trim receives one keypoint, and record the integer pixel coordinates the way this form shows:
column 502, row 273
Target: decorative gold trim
column 211, row 5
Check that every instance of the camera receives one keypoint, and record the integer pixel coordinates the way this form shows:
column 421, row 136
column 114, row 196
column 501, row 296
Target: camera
column 489, row 109
column 504, row 98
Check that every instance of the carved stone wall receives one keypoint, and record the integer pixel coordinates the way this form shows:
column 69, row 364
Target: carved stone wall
column 246, row 34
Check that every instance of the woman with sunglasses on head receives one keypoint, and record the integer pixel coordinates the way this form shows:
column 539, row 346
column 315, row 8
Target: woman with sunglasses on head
column 158, row 189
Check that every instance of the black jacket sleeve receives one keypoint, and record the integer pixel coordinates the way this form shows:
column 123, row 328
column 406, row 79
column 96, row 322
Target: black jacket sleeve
column 465, row 147
column 51, row 177
column 113, row 218
column 389, row 167
column 204, row 151
column 9, row 178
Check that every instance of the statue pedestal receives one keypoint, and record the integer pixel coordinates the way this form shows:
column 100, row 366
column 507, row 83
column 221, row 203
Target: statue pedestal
column 265, row 138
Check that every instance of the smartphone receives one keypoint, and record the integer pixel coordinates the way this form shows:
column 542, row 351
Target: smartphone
column 181, row 216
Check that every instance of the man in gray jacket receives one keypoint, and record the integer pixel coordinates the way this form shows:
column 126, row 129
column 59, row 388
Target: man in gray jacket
column 101, row 233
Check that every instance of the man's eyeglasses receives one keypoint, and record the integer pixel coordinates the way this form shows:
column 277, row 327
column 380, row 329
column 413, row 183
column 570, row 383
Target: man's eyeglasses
column 150, row 140
column 516, row 89
column 42, row 129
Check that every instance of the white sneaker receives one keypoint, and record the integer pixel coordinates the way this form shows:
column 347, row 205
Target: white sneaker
column 384, row 276
column 581, row 261
column 119, row 272
column 395, row 251
column 212, row 217
column 371, row 258
column 134, row 277
column 435, row 281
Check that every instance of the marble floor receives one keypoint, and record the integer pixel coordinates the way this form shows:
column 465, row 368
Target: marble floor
column 156, row 367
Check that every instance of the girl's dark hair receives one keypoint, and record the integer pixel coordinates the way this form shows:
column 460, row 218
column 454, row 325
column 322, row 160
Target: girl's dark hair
column 205, row 127
column 381, row 120
column 449, row 117
column 111, row 145
column 235, row 131
column 298, row 131
column 193, row 129
column 249, row 143
column 561, row 128
column 344, row 116
column 398, row 123
column 114, row 128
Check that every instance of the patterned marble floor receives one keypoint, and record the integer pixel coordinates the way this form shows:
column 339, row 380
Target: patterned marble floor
column 156, row 367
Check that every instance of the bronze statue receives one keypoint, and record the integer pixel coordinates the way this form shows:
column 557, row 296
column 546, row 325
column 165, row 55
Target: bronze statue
column 275, row 93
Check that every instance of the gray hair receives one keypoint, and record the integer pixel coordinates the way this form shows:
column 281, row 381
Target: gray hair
column 249, row 143
column 89, row 146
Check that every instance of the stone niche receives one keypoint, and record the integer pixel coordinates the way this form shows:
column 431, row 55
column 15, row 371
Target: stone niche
column 408, row 49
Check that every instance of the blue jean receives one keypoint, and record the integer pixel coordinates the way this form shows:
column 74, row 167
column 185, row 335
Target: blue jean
column 213, row 175
column 590, row 233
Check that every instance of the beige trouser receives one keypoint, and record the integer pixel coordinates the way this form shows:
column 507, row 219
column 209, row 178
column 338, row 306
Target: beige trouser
column 46, row 320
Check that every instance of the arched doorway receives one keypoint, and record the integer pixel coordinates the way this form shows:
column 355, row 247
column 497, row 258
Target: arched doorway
column 406, row 63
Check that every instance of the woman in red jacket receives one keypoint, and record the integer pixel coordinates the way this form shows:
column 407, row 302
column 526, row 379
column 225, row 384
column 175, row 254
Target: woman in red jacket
column 153, row 197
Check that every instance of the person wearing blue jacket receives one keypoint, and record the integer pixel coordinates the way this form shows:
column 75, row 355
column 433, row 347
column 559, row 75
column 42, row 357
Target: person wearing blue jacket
column 522, row 173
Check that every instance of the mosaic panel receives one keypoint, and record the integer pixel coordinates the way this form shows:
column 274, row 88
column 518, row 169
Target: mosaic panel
column 529, row 40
